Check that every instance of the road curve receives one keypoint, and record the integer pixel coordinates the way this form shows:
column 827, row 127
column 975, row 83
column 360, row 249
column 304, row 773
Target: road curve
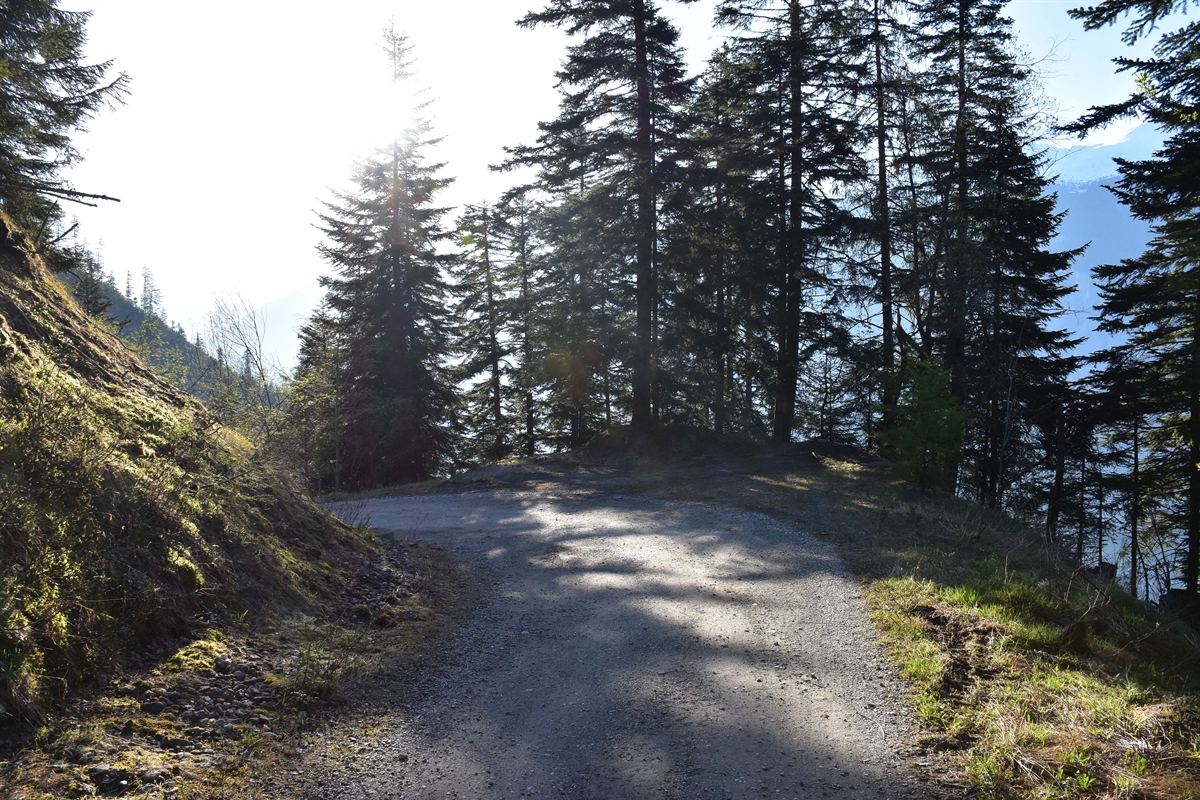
column 636, row 648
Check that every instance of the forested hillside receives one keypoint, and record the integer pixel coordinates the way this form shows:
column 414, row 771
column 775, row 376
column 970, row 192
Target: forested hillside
column 130, row 514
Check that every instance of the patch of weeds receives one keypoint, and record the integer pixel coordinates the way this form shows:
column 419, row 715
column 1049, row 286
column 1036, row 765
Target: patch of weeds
column 1034, row 709
column 199, row 655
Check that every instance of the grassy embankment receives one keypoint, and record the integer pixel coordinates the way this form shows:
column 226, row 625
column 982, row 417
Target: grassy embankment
column 170, row 604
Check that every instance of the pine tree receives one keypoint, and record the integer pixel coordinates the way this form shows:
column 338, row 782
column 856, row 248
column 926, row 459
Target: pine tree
column 522, row 271
column 388, row 303
column 801, row 78
column 482, row 312
column 982, row 285
column 1155, row 299
column 621, row 85
column 49, row 93
column 151, row 299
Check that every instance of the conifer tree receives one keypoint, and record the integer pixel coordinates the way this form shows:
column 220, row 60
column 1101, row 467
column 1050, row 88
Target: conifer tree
column 801, row 77
column 482, row 311
column 522, row 271
column 621, row 84
column 1155, row 299
column 388, row 302
column 49, row 93
column 983, row 286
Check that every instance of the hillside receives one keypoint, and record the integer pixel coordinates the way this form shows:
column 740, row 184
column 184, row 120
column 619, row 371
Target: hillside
column 129, row 514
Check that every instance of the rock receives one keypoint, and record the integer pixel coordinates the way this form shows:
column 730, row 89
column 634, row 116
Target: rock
column 177, row 743
column 106, row 777
column 152, row 707
column 228, row 729
column 152, row 776
column 224, row 665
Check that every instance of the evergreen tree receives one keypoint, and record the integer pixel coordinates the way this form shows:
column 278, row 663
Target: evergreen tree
column 983, row 288
column 522, row 272
column 315, row 402
column 1155, row 299
column 49, row 93
column 151, row 298
column 800, row 80
column 621, row 86
column 388, row 303
column 483, row 333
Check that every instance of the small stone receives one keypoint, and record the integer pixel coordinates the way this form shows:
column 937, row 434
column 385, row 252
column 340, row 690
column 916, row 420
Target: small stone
column 153, row 707
column 152, row 776
column 269, row 735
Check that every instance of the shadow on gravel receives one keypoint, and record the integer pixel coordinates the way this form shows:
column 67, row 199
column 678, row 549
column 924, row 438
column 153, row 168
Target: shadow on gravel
column 638, row 649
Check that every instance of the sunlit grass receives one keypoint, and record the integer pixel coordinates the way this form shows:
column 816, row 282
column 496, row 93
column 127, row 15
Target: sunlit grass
column 1040, row 712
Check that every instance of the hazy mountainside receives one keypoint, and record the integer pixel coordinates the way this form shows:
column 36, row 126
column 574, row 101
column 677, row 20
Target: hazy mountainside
column 129, row 512
column 1095, row 216
column 160, row 345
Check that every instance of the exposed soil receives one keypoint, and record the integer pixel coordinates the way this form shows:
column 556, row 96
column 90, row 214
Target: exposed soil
column 632, row 647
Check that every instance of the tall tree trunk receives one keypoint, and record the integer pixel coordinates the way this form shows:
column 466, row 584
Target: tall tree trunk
column 722, row 350
column 1135, row 507
column 643, row 362
column 793, row 256
column 1193, row 548
column 890, row 385
column 955, row 335
column 493, row 342
column 1054, row 508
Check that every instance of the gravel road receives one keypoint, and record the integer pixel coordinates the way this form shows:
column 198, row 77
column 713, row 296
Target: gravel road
column 636, row 648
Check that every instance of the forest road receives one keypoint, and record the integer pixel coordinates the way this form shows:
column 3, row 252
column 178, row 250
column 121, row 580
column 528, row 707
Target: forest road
column 637, row 648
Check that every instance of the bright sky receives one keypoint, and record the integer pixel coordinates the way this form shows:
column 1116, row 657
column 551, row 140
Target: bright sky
column 244, row 114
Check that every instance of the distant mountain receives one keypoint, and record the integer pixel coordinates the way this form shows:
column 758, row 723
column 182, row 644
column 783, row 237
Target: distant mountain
column 1095, row 216
column 1084, row 164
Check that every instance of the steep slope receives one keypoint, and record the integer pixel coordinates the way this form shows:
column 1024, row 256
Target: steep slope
column 126, row 511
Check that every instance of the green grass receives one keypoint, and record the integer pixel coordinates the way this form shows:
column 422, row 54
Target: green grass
column 1032, row 710
column 128, row 515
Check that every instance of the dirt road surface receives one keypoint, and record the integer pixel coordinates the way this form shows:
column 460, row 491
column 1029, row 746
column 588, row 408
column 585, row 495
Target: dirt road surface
column 637, row 648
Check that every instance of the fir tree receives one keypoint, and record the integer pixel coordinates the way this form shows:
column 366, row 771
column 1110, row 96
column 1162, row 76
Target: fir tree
column 49, row 93
column 800, row 82
column 388, row 303
column 482, row 311
column 983, row 287
column 621, row 85
column 1155, row 299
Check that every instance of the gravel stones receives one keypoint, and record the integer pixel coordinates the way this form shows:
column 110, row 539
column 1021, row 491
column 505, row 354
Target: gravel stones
column 639, row 648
